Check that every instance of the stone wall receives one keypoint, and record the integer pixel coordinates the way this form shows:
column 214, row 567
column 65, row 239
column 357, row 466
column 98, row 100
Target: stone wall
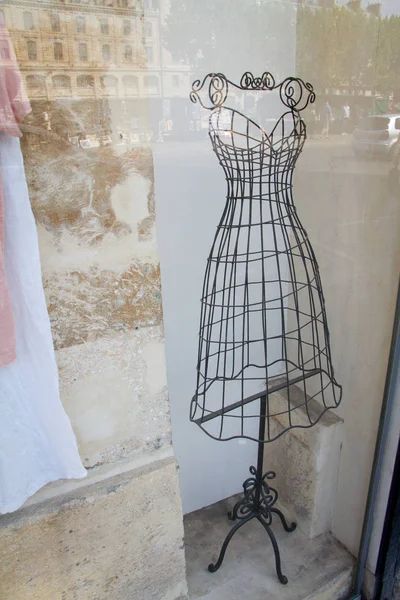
column 118, row 534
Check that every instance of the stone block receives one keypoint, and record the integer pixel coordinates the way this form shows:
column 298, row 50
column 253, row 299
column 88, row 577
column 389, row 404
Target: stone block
column 119, row 539
column 114, row 390
column 306, row 462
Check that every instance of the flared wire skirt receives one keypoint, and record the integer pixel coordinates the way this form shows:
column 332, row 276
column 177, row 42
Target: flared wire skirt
column 263, row 331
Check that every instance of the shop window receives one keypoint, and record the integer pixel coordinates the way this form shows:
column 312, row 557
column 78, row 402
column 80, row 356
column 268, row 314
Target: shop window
column 397, row 123
column 128, row 54
column 106, row 52
column 104, row 28
column 55, row 22
column 58, row 51
column 61, row 81
column 32, row 50
column 28, row 21
column 85, row 81
column 80, row 24
column 83, row 53
column 127, row 27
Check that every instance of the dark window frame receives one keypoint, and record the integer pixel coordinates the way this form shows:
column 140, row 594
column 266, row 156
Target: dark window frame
column 31, row 45
column 58, row 51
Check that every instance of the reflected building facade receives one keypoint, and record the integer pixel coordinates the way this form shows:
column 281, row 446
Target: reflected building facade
column 97, row 51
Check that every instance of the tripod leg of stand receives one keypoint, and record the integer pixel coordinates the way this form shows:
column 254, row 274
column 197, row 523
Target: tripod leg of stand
column 286, row 527
column 214, row 567
column 282, row 578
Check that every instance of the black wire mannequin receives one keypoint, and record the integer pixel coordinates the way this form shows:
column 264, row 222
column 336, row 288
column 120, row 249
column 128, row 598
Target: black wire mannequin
column 263, row 326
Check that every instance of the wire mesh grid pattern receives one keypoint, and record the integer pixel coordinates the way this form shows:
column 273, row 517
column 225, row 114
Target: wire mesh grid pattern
column 263, row 325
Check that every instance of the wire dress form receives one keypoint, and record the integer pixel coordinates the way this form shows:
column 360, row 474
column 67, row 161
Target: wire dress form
column 263, row 325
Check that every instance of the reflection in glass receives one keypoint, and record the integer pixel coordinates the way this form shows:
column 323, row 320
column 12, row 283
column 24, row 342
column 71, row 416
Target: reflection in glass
column 80, row 24
column 106, row 52
column 58, row 50
column 83, row 53
column 32, row 51
column 55, row 22
column 28, row 21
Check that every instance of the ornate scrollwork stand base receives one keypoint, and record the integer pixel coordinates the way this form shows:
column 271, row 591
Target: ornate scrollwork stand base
column 258, row 502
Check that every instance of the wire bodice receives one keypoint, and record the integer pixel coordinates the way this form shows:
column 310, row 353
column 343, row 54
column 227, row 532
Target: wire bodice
column 263, row 326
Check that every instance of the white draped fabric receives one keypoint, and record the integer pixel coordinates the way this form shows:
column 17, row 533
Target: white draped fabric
column 37, row 443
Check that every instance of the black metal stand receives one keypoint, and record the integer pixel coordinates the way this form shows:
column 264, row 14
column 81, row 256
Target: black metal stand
column 258, row 502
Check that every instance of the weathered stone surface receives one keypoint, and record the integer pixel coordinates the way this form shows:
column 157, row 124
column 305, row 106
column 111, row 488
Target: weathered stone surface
column 115, row 392
column 85, row 305
column 306, row 462
column 120, row 539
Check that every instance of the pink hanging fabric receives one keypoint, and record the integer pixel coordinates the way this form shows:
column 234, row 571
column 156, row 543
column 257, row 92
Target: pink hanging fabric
column 14, row 106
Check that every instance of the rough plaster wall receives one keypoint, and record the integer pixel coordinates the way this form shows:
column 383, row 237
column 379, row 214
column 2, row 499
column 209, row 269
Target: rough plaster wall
column 95, row 214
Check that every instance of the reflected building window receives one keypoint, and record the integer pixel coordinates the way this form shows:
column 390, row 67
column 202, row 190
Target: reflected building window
column 149, row 54
column 106, row 52
column 32, row 50
column 85, row 81
column 131, row 83
column 2, row 19
column 80, row 24
column 397, row 123
column 151, row 5
column 83, row 53
column 4, row 50
column 28, row 21
column 128, row 54
column 35, row 82
column 151, row 83
column 127, row 27
column 175, row 80
column 61, row 81
column 109, row 81
column 104, row 26
column 55, row 22
column 148, row 29
column 123, row 3
column 58, row 50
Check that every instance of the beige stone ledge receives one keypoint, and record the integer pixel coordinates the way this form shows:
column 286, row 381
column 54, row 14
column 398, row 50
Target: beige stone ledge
column 98, row 474
column 120, row 538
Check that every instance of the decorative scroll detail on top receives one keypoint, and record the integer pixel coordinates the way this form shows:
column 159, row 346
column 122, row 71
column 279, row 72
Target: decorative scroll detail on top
column 294, row 93
column 265, row 82
column 217, row 90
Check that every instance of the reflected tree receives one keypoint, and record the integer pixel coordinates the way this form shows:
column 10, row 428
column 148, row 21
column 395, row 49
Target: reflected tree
column 340, row 47
column 237, row 35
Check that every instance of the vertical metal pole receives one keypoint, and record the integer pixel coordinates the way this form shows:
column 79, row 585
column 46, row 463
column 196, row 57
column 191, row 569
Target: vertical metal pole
column 387, row 405
column 261, row 439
